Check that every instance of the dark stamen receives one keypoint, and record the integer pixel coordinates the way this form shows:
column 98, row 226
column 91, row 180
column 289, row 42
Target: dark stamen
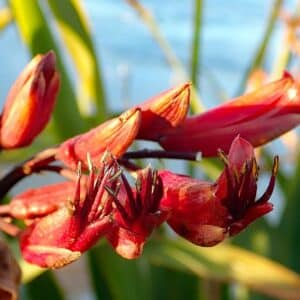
column 267, row 194
column 132, row 204
column 119, row 206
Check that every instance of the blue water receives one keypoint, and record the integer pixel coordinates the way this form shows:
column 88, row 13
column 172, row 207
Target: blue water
column 230, row 37
column 133, row 65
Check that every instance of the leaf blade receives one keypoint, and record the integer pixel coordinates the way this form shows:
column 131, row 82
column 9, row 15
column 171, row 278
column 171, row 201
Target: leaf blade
column 227, row 263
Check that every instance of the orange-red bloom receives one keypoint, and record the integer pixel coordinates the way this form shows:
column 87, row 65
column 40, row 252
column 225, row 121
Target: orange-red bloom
column 137, row 213
column 114, row 135
column 41, row 201
column 60, row 237
column 148, row 120
column 30, row 102
column 164, row 111
column 259, row 117
column 204, row 212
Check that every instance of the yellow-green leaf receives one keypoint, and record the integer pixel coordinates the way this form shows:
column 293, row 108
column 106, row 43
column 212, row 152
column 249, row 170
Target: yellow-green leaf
column 29, row 271
column 75, row 32
column 5, row 17
column 227, row 263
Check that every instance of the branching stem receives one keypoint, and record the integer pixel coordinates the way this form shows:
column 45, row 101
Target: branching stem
column 148, row 153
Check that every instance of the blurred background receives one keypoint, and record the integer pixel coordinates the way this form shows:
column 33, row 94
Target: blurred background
column 113, row 54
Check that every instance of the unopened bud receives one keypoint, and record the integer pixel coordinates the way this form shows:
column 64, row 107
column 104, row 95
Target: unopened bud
column 30, row 102
column 115, row 136
column 164, row 112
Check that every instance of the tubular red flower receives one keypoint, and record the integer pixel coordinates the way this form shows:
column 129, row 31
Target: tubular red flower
column 60, row 237
column 30, row 102
column 259, row 117
column 115, row 136
column 204, row 212
column 41, row 201
column 137, row 213
column 164, row 111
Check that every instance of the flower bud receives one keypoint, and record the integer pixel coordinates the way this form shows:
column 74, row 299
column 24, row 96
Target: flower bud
column 258, row 117
column 164, row 111
column 115, row 136
column 30, row 102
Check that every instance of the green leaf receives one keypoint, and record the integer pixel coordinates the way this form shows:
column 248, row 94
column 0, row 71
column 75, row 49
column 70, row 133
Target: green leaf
column 288, row 229
column 195, row 49
column 226, row 263
column 5, row 17
column 101, row 287
column 171, row 284
column 72, row 25
column 125, row 279
column 35, row 32
column 29, row 271
column 44, row 287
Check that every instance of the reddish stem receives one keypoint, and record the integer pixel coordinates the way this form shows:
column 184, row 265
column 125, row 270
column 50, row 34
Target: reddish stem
column 35, row 164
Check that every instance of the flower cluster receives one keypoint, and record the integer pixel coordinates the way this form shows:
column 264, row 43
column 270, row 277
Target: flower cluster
column 98, row 200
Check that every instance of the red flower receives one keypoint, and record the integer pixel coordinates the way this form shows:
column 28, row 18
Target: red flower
column 39, row 202
column 114, row 135
column 137, row 213
column 204, row 212
column 30, row 102
column 164, row 111
column 149, row 120
column 259, row 117
column 60, row 237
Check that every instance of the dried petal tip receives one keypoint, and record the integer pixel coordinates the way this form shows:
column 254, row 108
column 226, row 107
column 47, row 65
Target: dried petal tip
column 275, row 165
column 89, row 162
column 165, row 111
column 115, row 136
column 30, row 102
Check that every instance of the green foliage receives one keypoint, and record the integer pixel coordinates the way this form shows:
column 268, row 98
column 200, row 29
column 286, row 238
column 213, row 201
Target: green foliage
column 73, row 26
column 44, row 287
column 119, row 275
